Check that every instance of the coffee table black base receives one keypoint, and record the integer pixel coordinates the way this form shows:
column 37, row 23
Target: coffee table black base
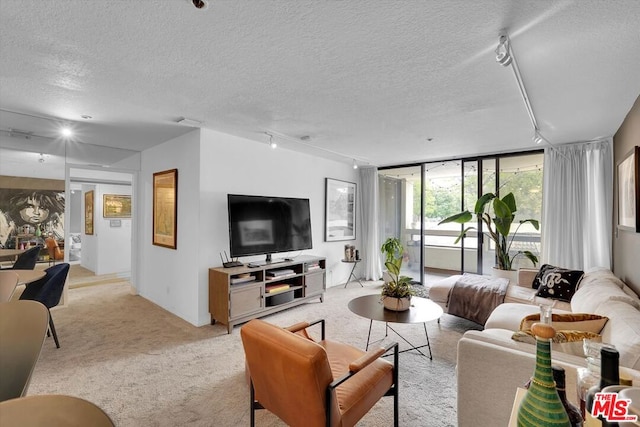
column 413, row 346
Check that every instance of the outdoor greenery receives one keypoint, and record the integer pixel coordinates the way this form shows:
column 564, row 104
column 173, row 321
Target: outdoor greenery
column 498, row 227
column 440, row 200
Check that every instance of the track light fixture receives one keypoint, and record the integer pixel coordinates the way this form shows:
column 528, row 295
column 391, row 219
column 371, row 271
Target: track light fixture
column 503, row 54
column 537, row 138
column 506, row 57
column 355, row 164
column 272, row 143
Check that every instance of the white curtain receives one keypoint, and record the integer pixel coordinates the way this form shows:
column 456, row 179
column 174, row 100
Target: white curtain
column 578, row 205
column 370, row 245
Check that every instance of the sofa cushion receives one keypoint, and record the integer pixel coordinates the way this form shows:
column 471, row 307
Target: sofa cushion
column 566, row 341
column 592, row 294
column 557, row 283
column 509, row 315
column 623, row 331
column 584, row 322
column 522, row 295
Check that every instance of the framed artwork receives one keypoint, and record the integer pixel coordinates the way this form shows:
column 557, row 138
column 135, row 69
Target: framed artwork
column 340, row 210
column 628, row 191
column 88, row 212
column 116, row 206
column 165, row 208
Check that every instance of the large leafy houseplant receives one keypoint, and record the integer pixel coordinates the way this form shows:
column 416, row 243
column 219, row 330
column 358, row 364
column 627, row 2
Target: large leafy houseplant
column 396, row 286
column 498, row 227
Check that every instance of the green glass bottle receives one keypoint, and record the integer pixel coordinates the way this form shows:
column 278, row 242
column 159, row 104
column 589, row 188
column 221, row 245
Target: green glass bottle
column 541, row 406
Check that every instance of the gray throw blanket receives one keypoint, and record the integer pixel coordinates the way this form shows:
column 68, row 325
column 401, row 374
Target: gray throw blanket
column 474, row 297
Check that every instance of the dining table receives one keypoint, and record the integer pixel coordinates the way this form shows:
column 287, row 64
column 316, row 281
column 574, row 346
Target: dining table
column 10, row 253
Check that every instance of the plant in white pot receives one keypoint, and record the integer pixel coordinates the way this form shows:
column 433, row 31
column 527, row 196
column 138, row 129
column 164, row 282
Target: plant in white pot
column 498, row 227
column 397, row 290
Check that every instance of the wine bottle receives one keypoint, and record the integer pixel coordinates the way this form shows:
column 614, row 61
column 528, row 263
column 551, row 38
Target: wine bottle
column 541, row 405
column 575, row 417
column 609, row 375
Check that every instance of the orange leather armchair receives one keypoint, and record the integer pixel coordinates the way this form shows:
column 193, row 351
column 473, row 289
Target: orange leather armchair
column 55, row 254
column 315, row 383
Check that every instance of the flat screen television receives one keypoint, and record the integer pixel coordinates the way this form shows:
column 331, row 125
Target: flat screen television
column 261, row 225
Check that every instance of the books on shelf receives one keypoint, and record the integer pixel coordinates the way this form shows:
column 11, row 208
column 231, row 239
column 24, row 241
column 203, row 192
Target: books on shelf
column 281, row 272
column 276, row 288
column 242, row 279
column 312, row 267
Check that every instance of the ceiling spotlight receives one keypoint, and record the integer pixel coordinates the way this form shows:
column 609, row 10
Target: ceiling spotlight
column 86, row 117
column 537, row 138
column 66, row 132
column 272, row 143
column 41, row 159
column 503, row 54
column 355, row 165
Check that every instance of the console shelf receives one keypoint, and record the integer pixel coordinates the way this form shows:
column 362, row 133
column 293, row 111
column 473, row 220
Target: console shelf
column 239, row 294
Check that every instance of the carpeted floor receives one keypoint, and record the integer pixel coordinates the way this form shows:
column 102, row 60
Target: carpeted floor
column 146, row 367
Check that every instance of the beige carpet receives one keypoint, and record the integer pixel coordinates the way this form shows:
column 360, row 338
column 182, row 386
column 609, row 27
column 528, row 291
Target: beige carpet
column 146, row 367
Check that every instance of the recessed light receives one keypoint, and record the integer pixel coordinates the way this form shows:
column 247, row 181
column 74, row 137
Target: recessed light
column 66, row 132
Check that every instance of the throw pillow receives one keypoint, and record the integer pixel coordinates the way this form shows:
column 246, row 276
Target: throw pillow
column 538, row 279
column 559, row 283
column 566, row 341
column 582, row 322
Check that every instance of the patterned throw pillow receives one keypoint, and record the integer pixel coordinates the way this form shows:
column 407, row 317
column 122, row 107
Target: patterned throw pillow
column 583, row 322
column 538, row 279
column 559, row 283
column 569, row 342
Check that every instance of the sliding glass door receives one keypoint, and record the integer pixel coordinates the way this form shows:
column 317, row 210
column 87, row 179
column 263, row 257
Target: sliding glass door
column 414, row 199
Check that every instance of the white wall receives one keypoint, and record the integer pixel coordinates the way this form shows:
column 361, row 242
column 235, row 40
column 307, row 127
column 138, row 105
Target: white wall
column 114, row 243
column 211, row 165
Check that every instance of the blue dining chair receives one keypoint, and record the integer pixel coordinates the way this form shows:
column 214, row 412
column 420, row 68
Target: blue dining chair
column 48, row 291
column 27, row 259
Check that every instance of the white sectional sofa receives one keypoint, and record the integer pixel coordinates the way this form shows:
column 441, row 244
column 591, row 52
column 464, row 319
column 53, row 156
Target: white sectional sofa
column 491, row 365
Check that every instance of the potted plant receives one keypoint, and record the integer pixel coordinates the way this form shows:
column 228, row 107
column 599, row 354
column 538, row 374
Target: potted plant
column 397, row 290
column 392, row 249
column 498, row 227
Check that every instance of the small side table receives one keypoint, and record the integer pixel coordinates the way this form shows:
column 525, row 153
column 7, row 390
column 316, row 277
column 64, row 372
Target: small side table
column 355, row 264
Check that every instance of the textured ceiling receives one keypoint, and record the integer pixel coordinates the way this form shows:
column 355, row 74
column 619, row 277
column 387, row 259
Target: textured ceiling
column 371, row 80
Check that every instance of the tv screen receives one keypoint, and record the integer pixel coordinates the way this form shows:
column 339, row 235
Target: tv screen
column 260, row 225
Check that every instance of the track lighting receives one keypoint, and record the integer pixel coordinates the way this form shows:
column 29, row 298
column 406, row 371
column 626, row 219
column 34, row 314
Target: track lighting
column 537, row 138
column 272, row 143
column 506, row 57
column 355, row 165
column 41, row 159
column 503, row 54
